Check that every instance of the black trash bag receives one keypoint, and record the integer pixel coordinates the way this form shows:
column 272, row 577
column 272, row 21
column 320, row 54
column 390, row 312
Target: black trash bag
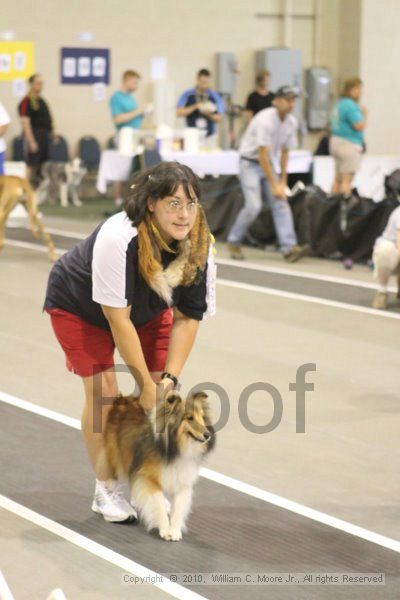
column 365, row 222
column 262, row 231
column 222, row 199
column 392, row 185
column 316, row 220
column 308, row 207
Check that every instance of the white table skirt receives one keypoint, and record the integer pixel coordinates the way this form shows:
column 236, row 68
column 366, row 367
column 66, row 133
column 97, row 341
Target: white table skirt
column 369, row 180
column 117, row 167
column 113, row 167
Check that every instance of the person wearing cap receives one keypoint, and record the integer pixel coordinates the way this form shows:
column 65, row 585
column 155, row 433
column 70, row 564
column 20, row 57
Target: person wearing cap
column 264, row 151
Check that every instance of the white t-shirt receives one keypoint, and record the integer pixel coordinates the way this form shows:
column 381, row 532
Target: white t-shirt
column 4, row 120
column 267, row 129
column 393, row 226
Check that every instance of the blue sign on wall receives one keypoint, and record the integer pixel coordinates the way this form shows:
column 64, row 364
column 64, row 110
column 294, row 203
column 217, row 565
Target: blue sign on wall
column 85, row 65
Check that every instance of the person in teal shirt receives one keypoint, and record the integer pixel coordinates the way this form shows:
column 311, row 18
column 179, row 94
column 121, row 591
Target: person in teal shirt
column 126, row 112
column 125, row 109
column 347, row 136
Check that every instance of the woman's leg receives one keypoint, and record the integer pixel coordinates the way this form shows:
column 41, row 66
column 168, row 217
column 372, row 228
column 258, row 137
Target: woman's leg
column 100, row 391
column 337, row 184
column 346, row 181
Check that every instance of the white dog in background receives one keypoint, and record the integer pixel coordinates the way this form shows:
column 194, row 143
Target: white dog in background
column 61, row 182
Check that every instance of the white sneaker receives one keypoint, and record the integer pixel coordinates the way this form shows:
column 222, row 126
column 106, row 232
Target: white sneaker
column 109, row 501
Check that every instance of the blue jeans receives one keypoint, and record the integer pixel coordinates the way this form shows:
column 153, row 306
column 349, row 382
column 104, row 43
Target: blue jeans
column 2, row 156
column 256, row 191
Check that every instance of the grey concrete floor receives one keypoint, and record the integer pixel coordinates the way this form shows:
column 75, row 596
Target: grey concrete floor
column 345, row 464
column 34, row 562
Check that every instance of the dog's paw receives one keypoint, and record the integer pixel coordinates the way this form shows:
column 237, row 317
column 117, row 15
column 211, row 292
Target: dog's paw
column 165, row 533
column 175, row 534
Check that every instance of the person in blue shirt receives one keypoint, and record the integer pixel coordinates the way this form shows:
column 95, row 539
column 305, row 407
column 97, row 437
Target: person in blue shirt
column 347, row 136
column 126, row 112
column 202, row 107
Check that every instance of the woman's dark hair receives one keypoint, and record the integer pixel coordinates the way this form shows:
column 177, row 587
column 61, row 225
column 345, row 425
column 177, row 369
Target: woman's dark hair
column 203, row 73
column 159, row 182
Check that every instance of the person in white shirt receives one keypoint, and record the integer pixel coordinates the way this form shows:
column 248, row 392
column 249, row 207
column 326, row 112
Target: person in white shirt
column 4, row 122
column 264, row 152
column 386, row 259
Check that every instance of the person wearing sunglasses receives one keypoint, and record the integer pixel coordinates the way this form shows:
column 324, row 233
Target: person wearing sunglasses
column 141, row 282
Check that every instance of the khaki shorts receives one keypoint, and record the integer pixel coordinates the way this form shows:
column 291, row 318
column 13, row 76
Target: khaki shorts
column 346, row 154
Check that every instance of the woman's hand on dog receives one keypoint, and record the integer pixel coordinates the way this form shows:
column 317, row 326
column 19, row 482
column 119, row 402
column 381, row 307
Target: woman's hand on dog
column 152, row 392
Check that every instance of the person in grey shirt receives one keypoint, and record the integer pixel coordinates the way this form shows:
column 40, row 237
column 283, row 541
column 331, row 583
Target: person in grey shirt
column 264, row 151
column 386, row 259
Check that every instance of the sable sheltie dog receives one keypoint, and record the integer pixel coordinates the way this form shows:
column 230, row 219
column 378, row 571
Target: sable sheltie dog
column 17, row 189
column 160, row 453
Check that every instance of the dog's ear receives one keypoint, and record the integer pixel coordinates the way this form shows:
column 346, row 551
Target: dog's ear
column 201, row 396
column 173, row 398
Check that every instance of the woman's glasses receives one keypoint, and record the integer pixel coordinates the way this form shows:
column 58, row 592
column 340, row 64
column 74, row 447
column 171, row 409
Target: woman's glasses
column 174, row 206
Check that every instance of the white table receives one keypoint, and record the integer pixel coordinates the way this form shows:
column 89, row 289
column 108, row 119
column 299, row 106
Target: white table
column 213, row 162
column 117, row 167
column 226, row 162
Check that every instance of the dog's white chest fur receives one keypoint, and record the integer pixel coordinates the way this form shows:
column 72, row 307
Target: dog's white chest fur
column 181, row 473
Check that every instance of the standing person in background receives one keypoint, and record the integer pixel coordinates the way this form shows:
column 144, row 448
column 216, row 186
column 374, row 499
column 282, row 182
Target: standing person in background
column 347, row 140
column 126, row 112
column 202, row 108
column 4, row 122
column 261, row 97
column 264, row 153
column 37, row 124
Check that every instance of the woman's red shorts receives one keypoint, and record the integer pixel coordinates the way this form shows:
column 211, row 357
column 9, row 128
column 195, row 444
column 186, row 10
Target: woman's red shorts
column 90, row 349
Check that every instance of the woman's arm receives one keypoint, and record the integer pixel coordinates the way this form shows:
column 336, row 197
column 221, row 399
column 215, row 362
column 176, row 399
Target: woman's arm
column 128, row 116
column 361, row 124
column 128, row 343
column 183, row 334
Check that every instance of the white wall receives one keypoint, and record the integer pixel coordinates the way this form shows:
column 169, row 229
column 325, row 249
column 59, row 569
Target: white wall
column 349, row 34
column 187, row 32
column 380, row 71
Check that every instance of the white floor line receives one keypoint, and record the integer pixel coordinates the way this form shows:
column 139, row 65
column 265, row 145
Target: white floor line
column 30, row 246
column 236, row 484
column 256, row 288
column 252, row 266
column 313, row 299
column 69, row 234
column 126, row 564
column 300, row 509
column 303, row 274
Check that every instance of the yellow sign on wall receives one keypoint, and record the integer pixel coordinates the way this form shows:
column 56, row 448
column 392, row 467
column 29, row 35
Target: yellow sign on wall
column 16, row 60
